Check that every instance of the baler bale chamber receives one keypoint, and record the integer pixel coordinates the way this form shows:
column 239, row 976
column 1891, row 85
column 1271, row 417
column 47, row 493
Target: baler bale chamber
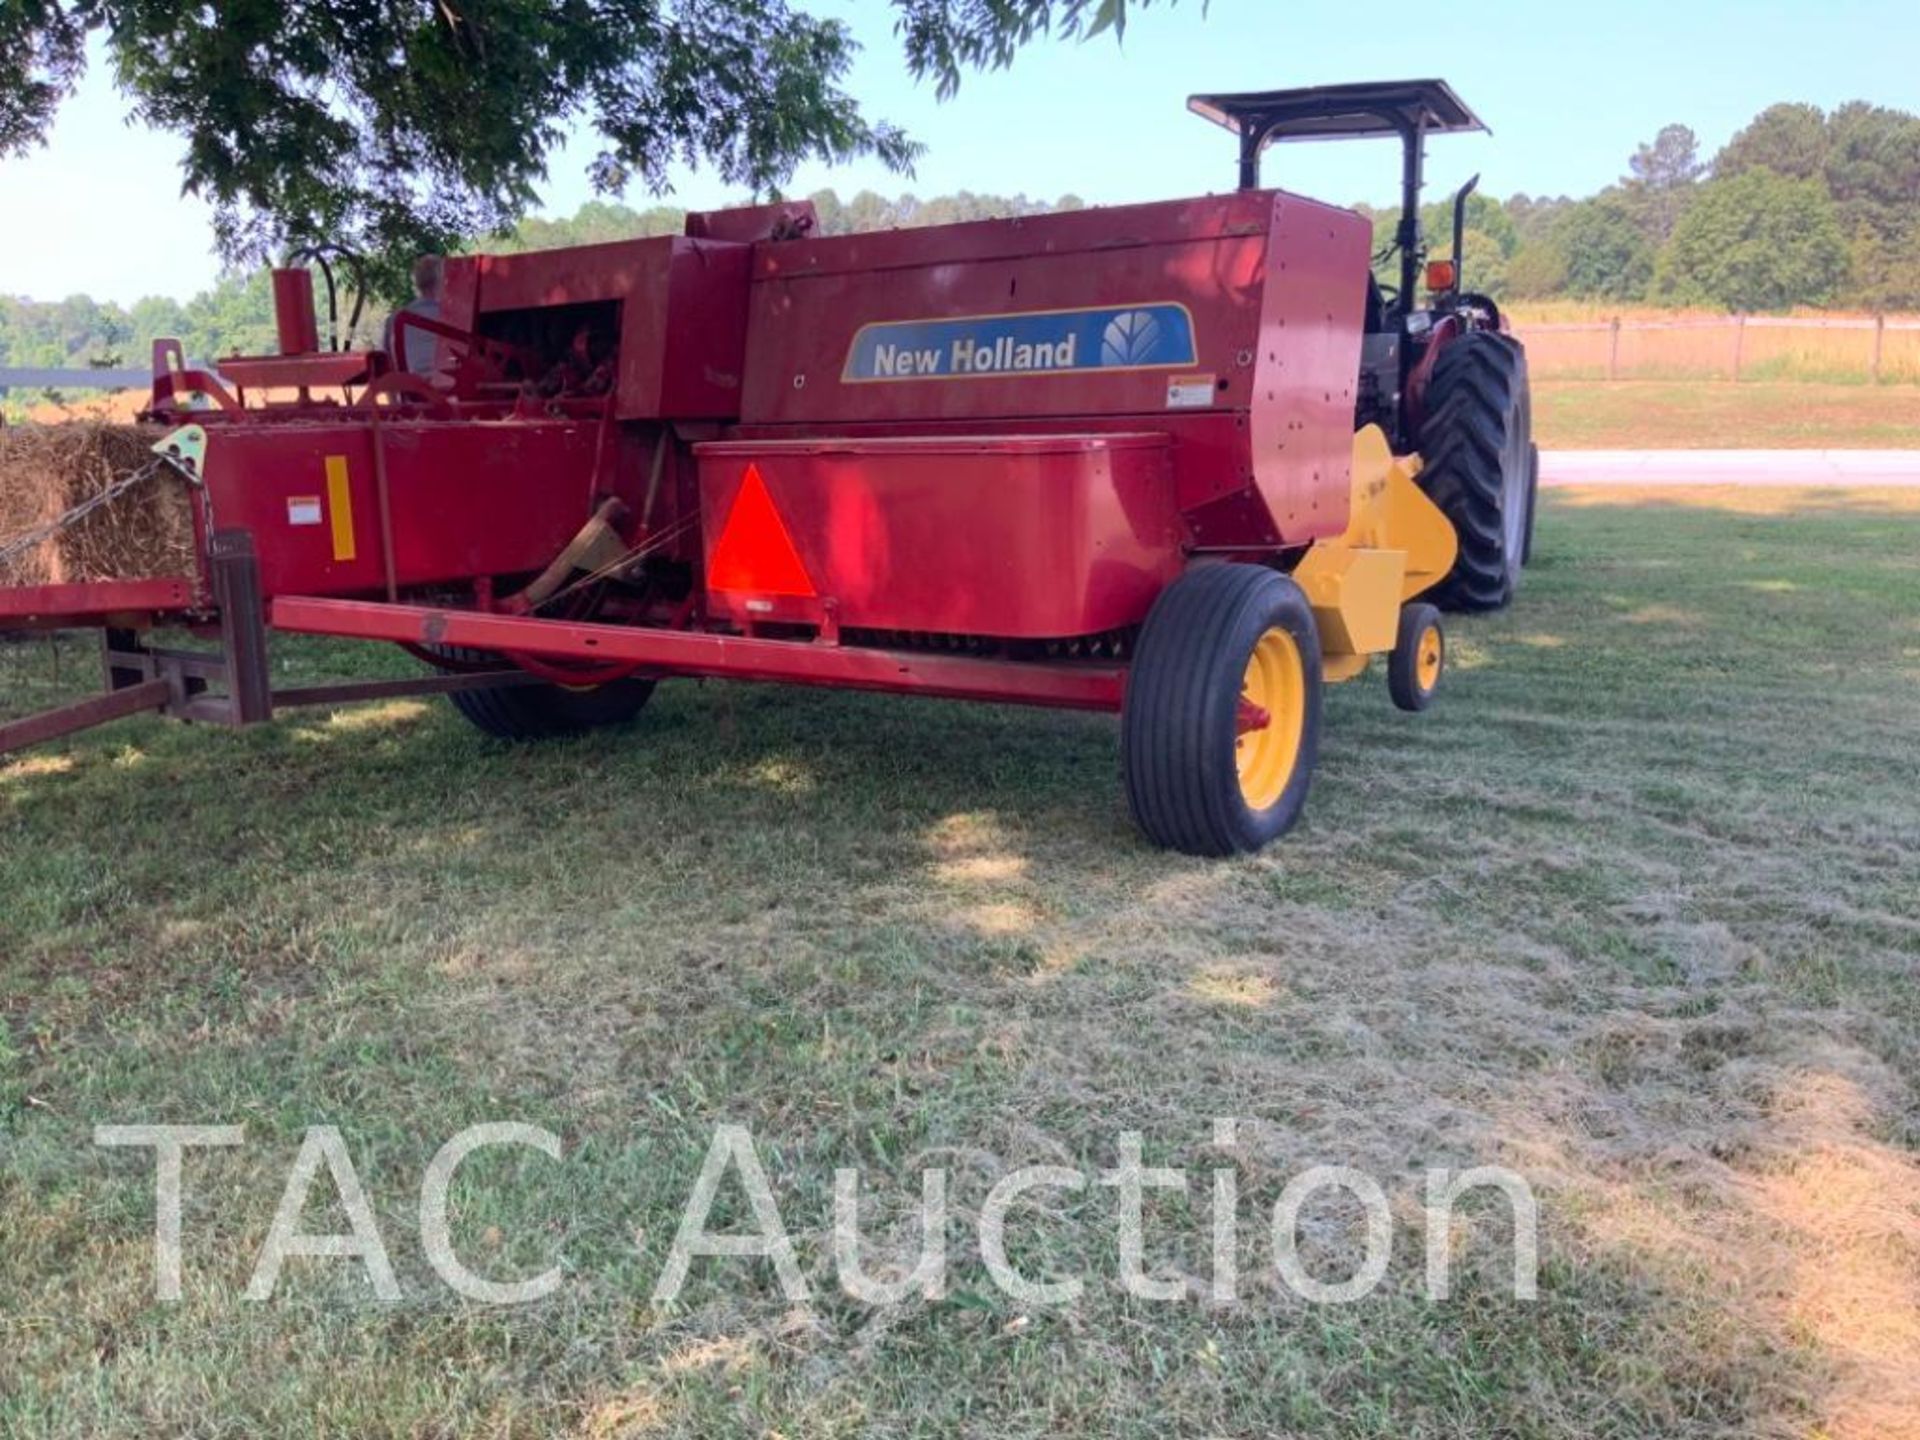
column 1150, row 460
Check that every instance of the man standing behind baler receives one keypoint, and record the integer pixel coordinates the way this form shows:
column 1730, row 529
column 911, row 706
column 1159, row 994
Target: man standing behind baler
column 422, row 345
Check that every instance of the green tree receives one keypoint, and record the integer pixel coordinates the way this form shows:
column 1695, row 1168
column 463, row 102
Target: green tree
column 1534, row 216
column 1868, row 159
column 235, row 317
column 413, row 124
column 153, row 318
column 73, row 333
column 1538, row 270
column 1661, row 180
column 1671, row 160
column 1485, row 215
column 1872, row 173
column 1756, row 241
column 1606, row 250
column 827, row 210
column 1789, row 140
column 1484, row 270
column 594, row 223
column 1491, row 238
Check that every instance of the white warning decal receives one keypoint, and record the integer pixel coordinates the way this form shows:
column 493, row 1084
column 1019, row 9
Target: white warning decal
column 1189, row 392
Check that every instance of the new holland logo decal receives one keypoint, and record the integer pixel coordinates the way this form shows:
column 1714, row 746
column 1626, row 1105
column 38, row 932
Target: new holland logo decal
column 1152, row 336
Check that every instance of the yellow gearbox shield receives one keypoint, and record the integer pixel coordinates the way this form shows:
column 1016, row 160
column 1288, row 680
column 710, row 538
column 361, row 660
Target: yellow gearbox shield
column 1397, row 543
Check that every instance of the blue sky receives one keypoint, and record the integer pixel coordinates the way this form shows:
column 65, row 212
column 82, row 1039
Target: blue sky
column 1569, row 91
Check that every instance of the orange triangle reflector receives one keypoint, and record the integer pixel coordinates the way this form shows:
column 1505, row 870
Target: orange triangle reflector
column 754, row 551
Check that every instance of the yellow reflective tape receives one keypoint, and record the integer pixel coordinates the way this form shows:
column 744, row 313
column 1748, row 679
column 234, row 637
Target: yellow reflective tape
column 340, row 508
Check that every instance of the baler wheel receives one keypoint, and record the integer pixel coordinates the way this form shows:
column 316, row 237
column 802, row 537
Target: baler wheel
column 1419, row 657
column 544, row 712
column 1221, row 724
column 1477, row 452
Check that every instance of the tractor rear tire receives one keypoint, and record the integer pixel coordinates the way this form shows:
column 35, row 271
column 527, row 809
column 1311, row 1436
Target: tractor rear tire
column 546, row 712
column 1476, row 447
column 1203, row 774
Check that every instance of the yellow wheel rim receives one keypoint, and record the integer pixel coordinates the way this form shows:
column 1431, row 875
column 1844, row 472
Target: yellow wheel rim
column 1276, row 684
column 1428, row 658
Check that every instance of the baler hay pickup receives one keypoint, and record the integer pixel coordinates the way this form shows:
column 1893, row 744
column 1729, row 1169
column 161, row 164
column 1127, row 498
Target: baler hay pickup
column 1187, row 462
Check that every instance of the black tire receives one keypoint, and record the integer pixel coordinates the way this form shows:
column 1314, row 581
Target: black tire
column 1533, row 502
column 1476, row 445
column 1412, row 677
column 1180, row 740
column 544, row 712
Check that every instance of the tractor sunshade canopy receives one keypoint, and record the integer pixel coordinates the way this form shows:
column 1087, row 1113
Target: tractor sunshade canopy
column 1340, row 112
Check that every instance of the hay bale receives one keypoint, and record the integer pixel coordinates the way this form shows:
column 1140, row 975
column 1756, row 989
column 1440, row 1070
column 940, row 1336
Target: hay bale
column 46, row 470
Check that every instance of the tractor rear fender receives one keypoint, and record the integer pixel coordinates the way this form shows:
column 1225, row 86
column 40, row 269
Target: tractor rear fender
column 1414, row 406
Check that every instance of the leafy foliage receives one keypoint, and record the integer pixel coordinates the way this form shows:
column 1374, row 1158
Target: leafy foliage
column 42, row 54
column 1633, row 241
column 1866, row 158
column 408, row 125
column 946, row 38
column 1661, row 180
column 1756, row 241
column 1873, row 174
column 1789, row 140
column 1607, row 252
column 1845, row 229
column 1537, row 271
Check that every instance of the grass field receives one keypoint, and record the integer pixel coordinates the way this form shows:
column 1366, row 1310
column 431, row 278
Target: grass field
column 1635, row 910
column 1574, row 340
column 1680, row 415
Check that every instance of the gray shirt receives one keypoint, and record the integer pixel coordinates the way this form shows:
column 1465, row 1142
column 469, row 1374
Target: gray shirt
column 422, row 345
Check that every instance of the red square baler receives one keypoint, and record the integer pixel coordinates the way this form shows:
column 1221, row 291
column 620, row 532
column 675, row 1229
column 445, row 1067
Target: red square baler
column 1185, row 461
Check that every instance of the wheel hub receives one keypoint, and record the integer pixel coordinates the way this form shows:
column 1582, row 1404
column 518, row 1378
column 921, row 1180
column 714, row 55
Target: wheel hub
column 1274, row 687
column 1428, row 660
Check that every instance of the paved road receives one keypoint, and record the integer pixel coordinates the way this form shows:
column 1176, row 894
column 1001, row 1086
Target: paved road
column 1838, row 468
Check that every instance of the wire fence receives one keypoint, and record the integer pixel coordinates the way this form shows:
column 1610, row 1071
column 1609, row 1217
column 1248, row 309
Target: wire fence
column 1872, row 349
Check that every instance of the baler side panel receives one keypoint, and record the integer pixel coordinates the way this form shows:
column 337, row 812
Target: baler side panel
column 1078, row 537
column 704, row 349
column 1257, row 296
column 820, row 310
column 1308, row 365
column 467, row 499
column 1115, row 227
column 682, row 315
column 459, row 291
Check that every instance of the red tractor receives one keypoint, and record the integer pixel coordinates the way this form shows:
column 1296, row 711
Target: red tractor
column 1465, row 407
column 1184, row 461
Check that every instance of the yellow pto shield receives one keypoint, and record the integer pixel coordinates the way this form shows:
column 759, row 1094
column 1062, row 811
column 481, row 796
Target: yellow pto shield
column 1397, row 543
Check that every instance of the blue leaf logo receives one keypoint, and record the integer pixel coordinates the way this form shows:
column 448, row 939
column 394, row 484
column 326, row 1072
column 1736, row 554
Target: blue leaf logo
column 1132, row 338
